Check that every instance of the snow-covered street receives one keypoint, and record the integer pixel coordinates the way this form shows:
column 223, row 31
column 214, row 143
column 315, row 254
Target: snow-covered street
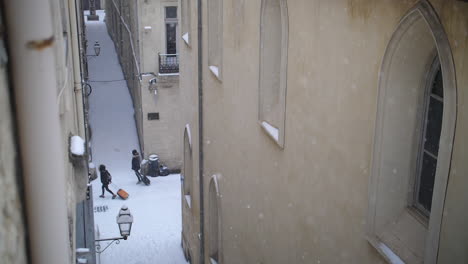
column 156, row 231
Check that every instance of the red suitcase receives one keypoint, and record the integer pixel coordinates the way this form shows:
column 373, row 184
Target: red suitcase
column 122, row 194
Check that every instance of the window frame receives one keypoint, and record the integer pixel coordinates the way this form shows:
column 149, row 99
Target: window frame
column 168, row 21
column 275, row 131
column 215, row 201
column 215, row 27
column 187, row 184
column 431, row 234
column 431, row 75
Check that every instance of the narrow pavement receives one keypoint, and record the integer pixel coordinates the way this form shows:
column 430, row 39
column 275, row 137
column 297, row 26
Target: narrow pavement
column 155, row 234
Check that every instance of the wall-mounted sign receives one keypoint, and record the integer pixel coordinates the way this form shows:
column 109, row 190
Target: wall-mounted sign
column 153, row 116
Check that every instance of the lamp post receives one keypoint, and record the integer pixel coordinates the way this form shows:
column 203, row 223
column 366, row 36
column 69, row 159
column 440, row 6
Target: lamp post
column 124, row 220
column 97, row 50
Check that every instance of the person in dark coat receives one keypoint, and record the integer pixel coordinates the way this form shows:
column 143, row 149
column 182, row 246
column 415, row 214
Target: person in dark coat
column 106, row 178
column 136, row 164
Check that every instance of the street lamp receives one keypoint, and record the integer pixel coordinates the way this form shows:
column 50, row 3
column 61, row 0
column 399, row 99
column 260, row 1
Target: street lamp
column 97, row 50
column 124, row 220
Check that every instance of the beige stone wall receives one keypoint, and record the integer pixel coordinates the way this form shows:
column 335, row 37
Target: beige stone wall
column 146, row 23
column 122, row 25
column 163, row 136
column 12, row 222
column 12, row 219
column 189, row 90
column 308, row 203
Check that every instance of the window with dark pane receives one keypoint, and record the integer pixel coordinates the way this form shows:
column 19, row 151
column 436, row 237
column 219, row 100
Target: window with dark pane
column 171, row 12
column 171, row 29
column 432, row 126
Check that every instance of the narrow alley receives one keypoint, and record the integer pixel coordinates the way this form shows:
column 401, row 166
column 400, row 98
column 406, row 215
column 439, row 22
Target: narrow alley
column 156, row 231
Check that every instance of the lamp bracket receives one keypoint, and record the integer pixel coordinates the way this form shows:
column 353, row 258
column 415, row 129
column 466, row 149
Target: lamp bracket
column 115, row 239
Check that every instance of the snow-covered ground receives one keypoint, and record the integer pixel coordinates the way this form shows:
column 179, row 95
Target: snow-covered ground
column 155, row 236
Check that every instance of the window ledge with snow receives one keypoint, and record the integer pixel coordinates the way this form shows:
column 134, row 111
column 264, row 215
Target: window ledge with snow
column 188, row 199
column 215, row 71
column 186, row 38
column 77, row 146
column 169, row 74
column 385, row 251
column 271, row 130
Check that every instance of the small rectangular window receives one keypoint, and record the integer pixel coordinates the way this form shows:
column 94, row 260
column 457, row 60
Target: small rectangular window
column 171, row 29
column 171, row 12
column 153, row 116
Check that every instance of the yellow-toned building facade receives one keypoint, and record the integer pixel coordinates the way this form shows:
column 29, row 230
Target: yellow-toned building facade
column 324, row 131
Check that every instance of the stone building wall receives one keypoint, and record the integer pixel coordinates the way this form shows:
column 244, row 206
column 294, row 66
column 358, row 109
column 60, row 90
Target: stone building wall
column 308, row 200
column 146, row 26
column 12, row 222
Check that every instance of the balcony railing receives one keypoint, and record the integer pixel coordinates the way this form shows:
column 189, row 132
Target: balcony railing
column 168, row 63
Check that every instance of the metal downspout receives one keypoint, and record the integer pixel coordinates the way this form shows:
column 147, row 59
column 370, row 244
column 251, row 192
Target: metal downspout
column 200, row 130
column 34, row 79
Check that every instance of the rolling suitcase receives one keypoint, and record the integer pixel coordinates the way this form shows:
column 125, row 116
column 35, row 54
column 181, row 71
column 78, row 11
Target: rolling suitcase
column 122, row 194
column 145, row 180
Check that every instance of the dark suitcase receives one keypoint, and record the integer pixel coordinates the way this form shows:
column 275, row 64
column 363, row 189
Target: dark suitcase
column 145, row 180
column 122, row 194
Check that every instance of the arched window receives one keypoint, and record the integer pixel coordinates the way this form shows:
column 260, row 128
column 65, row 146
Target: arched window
column 186, row 14
column 429, row 140
column 215, row 37
column 413, row 139
column 187, row 172
column 273, row 68
column 214, row 231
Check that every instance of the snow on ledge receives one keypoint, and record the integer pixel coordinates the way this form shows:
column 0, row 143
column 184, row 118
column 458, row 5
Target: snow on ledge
column 189, row 134
column 391, row 256
column 168, row 74
column 189, row 200
column 82, row 250
column 215, row 71
column 212, row 261
column 77, row 146
column 185, row 37
column 82, row 261
column 272, row 131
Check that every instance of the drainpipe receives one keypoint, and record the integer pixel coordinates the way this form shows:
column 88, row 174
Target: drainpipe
column 200, row 130
column 34, row 79
column 77, row 86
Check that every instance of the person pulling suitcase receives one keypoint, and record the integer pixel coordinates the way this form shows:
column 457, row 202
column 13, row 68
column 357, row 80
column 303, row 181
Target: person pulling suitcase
column 106, row 178
column 136, row 164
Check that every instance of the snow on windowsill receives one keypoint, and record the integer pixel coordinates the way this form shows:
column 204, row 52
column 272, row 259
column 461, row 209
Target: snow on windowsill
column 212, row 261
column 185, row 37
column 391, row 256
column 77, row 146
column 189, row 134
column 168, row 74
column 82, row 261
column 271, row 130
column 215, row 71
column 188, row 199
column 82, row 250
